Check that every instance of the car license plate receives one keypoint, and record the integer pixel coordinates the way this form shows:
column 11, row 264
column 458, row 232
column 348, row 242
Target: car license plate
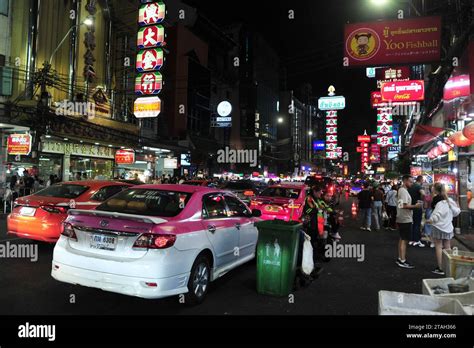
column 27, row 211
column 103, row 242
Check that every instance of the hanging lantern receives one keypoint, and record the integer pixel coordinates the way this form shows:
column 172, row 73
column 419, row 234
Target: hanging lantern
column 436, row 152
column 460, row 140
column 444, row 148
column 468, row 131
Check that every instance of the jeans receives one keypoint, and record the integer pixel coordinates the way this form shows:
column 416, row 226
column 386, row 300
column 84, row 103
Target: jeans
column 471, row 217
column 366, row 216
column 416, row 229
column 377, row 214
column 427, row 228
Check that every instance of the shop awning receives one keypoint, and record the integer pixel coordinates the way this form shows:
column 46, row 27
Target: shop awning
column 424, row 134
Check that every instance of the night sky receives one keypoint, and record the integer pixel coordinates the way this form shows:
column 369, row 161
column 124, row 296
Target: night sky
column 310, row 46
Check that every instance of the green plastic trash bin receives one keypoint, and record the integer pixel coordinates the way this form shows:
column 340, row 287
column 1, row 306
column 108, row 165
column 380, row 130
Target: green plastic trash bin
column 277, row 253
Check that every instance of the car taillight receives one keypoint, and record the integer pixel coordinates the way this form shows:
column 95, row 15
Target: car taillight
column 155, row 241
column 249, row 193
column 54, row 209
column 68, row 231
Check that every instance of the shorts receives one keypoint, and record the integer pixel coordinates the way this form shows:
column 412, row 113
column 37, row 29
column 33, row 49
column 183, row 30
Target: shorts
column 405, row 230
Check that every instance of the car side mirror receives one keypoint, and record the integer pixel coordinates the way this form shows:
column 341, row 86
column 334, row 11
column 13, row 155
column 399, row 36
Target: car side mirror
column 256, row 213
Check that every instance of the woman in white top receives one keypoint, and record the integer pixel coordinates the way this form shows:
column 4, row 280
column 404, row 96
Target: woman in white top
column 441, row 220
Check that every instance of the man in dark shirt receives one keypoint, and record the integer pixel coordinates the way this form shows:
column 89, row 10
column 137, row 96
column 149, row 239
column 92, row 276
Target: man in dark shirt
column 417, row 194
column 365, row 199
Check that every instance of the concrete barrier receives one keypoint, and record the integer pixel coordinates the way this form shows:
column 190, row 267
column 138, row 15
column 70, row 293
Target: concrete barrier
column 399, row 303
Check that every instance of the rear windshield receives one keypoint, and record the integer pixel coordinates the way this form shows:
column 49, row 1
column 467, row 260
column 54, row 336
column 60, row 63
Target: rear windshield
column 147, row 202
column 281, row 192
column 63, row 191
column 238, row 186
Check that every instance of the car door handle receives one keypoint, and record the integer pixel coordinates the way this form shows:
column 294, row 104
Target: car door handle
column 237, row 225
column 211, row 228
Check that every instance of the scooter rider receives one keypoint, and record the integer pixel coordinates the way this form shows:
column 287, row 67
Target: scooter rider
column 314, row 221
column 331, row 216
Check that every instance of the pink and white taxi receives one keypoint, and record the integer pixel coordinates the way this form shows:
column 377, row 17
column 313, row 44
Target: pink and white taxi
column 154, row 241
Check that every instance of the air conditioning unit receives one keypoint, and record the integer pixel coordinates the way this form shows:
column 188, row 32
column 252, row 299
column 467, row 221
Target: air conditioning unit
column 6, row 81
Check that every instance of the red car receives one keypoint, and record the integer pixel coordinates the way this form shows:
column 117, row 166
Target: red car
column 40, row 216
column 283, row 202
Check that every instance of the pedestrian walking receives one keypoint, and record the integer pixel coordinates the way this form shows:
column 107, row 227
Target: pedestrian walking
column 445, row 209
column 378, row 197
column 365, row 199
column 391, row 206
column 417, row 194
column 405, row 220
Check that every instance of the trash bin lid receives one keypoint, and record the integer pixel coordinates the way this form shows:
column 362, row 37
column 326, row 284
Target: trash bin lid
column 279, row 225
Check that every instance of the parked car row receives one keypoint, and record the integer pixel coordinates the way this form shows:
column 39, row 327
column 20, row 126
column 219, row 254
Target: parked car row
column 151, row 241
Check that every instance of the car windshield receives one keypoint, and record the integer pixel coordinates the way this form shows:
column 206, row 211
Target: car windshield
column 281, row 192
column 147, row 202
column 238, row 186
column 63, row 191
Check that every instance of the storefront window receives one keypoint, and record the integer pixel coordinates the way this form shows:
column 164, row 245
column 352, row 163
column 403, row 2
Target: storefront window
column 50, row 165
column 90, row 168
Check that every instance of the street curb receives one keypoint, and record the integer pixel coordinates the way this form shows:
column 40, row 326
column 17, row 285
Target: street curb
column 463, row 243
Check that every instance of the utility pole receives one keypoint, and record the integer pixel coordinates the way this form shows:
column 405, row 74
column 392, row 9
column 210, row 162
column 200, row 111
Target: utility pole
column 41, row 122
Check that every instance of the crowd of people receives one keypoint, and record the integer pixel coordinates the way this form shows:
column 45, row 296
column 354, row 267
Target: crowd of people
column 404, row 207
column 26, row 184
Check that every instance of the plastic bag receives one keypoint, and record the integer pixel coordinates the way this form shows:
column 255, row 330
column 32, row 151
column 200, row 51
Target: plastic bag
column 385, row 216
column 307, row 265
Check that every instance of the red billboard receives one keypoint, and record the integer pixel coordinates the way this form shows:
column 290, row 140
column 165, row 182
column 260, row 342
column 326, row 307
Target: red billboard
column 413, row 90
column 376, row 101
column 363, row 139
column 456, row 87
column 19, row 144
column 414, row 40
column 125, row 157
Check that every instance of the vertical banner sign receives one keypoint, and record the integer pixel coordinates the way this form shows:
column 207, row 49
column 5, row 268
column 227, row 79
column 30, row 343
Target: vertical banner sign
column 331, row 134
column 150, row 37
column 90, row 43
column 364, row 141
column 385, row 126
column 331, row 105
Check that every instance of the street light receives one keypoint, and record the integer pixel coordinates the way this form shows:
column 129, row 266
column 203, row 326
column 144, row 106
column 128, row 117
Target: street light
column 87, row 22
column 310, row 133
column 280, row 119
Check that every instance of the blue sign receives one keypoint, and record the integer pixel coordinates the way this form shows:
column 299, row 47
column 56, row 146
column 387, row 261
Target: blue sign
column 319, row 145
column 396, row 129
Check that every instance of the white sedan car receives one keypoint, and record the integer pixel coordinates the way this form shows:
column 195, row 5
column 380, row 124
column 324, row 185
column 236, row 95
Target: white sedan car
column 154, row 241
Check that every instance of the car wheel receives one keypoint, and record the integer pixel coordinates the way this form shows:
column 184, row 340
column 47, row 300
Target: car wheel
column 199, row 280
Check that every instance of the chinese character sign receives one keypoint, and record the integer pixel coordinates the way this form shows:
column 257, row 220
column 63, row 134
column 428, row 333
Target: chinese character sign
column 331, row 134
column 150, row 37
column 384, row 126
column 364, row 141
